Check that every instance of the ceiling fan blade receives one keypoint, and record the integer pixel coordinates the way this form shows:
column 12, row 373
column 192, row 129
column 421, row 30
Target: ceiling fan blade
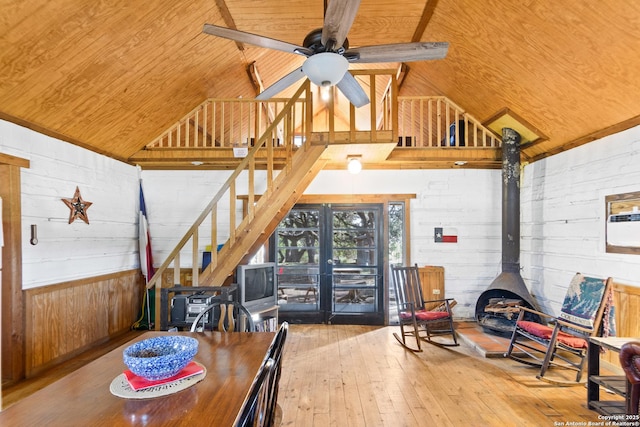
column 281, row 84
column 338, row 19
column 254, row 39
column 399, row 52
column 350, row 88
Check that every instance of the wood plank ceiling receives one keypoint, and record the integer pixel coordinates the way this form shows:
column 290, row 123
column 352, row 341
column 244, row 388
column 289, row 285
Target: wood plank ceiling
column 111, row 76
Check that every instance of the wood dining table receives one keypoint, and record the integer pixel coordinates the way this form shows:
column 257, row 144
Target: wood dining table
column 84, row 398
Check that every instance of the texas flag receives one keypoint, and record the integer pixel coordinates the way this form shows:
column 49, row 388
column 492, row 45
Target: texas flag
column 144, row 240
column 445, row 235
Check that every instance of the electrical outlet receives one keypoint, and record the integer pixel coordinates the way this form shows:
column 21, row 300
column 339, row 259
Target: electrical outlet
column 436, row 291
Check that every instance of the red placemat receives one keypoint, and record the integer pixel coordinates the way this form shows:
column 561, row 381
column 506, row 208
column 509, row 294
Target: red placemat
column 139, row 383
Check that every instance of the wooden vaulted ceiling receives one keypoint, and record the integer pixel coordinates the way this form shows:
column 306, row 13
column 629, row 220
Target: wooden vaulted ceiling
column 111, row 76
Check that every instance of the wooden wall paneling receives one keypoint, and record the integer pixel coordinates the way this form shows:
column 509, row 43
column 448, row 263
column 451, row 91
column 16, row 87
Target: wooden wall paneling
column 626, row 300
column 117, row 298
column 432, row 279
column 627, row 309
column 68, row 318
column 125, row 304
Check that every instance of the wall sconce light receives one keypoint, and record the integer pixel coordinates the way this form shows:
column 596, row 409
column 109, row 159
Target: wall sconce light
column 354, row 165
column 34, row 234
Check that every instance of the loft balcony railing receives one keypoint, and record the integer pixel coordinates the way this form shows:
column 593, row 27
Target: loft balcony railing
column 436, row 121
column 211, row 130
column 237, row 123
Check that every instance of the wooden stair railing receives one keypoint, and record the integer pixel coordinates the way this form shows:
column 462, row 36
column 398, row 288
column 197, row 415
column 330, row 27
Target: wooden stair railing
column 303, row 162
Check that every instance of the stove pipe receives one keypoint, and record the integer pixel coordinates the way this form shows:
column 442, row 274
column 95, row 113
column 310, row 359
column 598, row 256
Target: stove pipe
column 510, row 201
column 509, row 283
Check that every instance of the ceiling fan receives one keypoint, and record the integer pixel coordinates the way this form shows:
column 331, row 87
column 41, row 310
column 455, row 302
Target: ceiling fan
column 328, row 53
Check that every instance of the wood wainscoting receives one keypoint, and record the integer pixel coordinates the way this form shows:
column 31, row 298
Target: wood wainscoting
column 65, row 319
column 432, row 281
column 626, row 300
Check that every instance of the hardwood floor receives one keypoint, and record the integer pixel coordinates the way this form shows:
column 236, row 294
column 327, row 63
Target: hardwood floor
column 336, row 375
column 360, row 376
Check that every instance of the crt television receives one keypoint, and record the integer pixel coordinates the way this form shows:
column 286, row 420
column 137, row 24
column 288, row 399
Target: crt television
column 257, row 285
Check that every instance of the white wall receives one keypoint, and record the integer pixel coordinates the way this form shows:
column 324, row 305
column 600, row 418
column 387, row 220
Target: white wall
column 464, row 199
column 77, row 250
column 468, row 200
column 562, row 197
column 563, row 216
column 175, row 199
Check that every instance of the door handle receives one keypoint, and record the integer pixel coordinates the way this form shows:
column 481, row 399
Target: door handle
column 330, row 261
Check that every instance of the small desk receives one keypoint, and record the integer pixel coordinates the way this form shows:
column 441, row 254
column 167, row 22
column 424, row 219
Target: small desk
column 83, row 398
column 618, row 383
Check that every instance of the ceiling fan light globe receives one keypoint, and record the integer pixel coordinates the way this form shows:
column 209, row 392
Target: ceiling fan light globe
column 325, row 69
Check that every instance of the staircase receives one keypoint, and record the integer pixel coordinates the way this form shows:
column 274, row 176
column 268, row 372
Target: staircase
column 290, row 142
column 264, row 212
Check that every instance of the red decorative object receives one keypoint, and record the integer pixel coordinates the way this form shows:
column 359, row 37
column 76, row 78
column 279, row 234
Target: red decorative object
column 78, row 207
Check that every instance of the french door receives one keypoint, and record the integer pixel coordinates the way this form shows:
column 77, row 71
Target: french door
column 330, row 264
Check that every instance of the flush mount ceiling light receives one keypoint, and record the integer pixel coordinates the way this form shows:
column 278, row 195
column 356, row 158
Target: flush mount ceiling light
column 325, row 69
column 354, row 166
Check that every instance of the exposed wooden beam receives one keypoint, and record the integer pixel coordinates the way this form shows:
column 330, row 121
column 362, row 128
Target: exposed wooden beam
column 427, row 13
column 228, row 20
column 255, row 78
column 403, row 70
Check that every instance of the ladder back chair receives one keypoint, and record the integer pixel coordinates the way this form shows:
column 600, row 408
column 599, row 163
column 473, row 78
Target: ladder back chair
column 562, row 341
column 254, row 407
column 231, row 316
column 275, row 352
column 416, row 321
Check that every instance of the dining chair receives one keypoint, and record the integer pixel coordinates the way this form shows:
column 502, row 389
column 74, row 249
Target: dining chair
column 275, row 352
column 254, row 407
column 231, row 316
column 562, row 341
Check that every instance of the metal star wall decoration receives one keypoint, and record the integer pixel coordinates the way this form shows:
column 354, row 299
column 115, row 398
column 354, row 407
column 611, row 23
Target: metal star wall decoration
column 78, row 207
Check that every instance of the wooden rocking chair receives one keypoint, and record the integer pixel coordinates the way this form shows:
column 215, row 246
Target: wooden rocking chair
column 562, row 341
column 416, row 320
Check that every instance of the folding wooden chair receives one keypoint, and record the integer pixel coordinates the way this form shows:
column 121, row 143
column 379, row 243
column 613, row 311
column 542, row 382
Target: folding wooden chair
column 415, row 319
column 562, row 341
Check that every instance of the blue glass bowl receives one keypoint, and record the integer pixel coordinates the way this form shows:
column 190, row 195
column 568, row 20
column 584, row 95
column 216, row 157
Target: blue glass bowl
column 159, row 358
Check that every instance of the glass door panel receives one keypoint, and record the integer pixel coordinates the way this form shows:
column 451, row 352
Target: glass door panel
column 355, row 264
column 298, row 259
column 330, row 264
